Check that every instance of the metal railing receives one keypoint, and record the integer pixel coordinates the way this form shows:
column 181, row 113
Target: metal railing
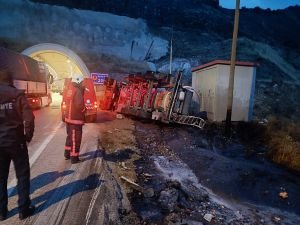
column 188, row 120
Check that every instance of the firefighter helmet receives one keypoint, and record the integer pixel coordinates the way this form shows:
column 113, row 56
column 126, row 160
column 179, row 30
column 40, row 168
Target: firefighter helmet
column 77, row 78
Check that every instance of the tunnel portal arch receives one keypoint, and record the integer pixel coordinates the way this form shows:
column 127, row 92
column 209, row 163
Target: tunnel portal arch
column 61, row 61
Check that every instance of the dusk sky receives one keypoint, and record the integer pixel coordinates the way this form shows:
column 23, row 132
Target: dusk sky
column 272, row 4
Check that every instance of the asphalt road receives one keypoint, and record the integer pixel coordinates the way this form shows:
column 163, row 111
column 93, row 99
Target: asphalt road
column 66, row 193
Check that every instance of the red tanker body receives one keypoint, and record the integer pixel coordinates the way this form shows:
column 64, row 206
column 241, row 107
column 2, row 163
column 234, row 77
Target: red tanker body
column 156, row 96
column 162, row 100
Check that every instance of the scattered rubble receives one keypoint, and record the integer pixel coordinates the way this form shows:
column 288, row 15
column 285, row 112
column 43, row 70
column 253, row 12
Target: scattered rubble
column 283, row 195
column 208, row 217
column 164, row 189
column 148, row 193
column 276, row 219
column 119, row 116
column 179, row 197
column 168, row 199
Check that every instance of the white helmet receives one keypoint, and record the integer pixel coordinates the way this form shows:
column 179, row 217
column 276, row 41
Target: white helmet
column 77, row 78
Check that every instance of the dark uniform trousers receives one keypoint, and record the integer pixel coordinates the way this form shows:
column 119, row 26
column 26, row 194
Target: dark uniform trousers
column 19, row 156
column 73, row 140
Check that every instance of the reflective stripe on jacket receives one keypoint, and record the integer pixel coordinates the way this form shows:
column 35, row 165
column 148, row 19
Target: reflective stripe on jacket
column 75, row 107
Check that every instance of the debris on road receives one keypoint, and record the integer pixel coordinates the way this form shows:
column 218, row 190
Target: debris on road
column 276, row 219
column 147, row 175
column 283, row 195
column 124, row 166
column 180, row 194
column 135, row 185
column 119, row 116
column 168, row 199
column 164, row 189
column 208, row 217
column 148, row 193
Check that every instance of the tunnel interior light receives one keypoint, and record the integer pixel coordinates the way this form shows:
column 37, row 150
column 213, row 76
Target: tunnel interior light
column 61, row 63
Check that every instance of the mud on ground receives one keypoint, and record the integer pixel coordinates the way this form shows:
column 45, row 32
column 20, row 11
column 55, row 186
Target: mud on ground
column 120, row 152
column 196, row 177
column 214, row 180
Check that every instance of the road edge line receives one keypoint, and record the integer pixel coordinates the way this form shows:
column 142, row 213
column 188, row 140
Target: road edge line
column 12, row 185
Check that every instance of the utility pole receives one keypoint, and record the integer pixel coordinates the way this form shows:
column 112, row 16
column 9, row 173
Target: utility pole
column 171, row 52
column 232, row 69
column 171, row 55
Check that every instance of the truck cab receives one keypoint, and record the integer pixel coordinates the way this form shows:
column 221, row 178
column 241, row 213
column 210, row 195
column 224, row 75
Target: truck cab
column 89, row 100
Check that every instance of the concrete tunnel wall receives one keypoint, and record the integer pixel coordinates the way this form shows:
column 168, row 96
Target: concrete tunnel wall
column 59, row 49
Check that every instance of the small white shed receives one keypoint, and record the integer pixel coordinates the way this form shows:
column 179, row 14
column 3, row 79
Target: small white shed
column 211, row 80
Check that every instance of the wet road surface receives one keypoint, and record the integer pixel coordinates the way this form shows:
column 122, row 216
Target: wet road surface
column 66, row 193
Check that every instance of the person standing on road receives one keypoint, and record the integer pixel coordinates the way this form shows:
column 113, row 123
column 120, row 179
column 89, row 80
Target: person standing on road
column 74, row 117
column 16, row 128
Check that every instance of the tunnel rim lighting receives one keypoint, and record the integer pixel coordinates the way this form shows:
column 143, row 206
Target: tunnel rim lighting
column 59, row 49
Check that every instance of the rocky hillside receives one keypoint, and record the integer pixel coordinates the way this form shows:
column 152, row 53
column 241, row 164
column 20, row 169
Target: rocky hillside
column 160, row 12
column 201, row 32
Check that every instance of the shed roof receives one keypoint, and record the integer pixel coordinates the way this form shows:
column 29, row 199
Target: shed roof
column 223, row 62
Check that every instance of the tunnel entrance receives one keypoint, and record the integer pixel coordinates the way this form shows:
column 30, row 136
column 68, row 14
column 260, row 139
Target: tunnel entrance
column 61, row 61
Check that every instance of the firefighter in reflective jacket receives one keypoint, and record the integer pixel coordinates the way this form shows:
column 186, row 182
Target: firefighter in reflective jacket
column 74, row 117
column 16, row 128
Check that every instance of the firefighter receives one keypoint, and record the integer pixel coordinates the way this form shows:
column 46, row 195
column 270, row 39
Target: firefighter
column 74, row 117
column 16, row 128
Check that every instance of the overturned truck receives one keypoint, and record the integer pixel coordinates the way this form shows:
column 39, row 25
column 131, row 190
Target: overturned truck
column 159, row 97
